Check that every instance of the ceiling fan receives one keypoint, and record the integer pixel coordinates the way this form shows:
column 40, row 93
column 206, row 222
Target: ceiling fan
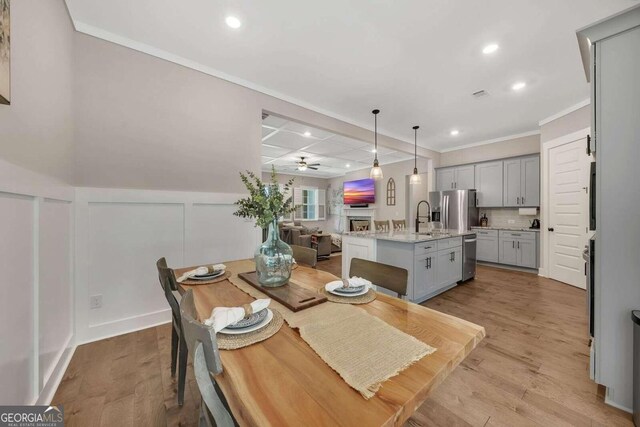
column 303, row 166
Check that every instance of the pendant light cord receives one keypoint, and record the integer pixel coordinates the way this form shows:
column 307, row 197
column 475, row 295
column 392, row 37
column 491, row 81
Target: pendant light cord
column 415, row 147
column 375, row 119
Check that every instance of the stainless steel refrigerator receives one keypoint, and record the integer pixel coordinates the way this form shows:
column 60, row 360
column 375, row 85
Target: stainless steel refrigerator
column 455, row 209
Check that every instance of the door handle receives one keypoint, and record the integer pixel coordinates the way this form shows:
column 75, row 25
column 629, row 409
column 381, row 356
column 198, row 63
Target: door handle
column 550, row 228
column 518, row 244
column 523, row 200
column 513, row 244
column 588, row 145
column 517, row 200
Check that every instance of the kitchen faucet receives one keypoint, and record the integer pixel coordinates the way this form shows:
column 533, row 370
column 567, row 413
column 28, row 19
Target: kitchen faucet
column 418, row 222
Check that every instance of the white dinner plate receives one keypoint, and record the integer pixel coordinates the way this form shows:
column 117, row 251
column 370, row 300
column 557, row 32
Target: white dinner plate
column 331, row 286
column 207, row 276
column 260, row 325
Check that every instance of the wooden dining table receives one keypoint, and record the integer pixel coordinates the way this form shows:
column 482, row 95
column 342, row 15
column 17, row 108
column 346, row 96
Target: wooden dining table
column 282, row 381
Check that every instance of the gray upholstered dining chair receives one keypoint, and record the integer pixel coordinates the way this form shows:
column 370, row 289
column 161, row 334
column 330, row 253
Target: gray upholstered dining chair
column 399, row 224
column 383, row 275
column 178, row 346
column 201, row 340
column 305, row 256
column 382, row 226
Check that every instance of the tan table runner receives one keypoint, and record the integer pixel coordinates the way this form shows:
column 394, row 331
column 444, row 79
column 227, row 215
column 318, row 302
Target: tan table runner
column 364, row 350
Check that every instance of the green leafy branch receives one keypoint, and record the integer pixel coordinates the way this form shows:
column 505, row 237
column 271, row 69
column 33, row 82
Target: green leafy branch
column 265, row 202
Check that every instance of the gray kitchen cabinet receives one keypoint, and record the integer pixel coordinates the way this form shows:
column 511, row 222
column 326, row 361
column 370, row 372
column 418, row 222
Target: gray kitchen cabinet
column 527, row 253
column 445, row 179
column 518, row 248
column 424, row 273
column 610, row 50
column 465, row 178
column 512, row 182
column 449, row 267
column 530, row 181
column 508, row 251
column 455, row 178
column 521, row 185
column 488, row 184
column 487, row 245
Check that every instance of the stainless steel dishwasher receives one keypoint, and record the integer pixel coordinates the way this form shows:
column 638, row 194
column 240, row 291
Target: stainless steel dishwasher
column 469, row 257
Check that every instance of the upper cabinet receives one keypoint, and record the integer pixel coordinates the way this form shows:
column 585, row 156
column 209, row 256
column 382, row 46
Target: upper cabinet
column 489, row 184
column 445, row 179
column 522, row 182
column 513, row 182
column 455, row 178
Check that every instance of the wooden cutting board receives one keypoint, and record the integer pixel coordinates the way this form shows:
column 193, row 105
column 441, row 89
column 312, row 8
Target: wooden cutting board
column 292, row 296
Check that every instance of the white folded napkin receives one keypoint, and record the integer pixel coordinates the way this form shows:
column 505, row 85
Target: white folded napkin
column 356, row 281
column 201, row 270
column 221, row 317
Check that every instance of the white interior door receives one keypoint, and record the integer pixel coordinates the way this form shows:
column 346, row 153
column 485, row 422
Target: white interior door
column 568, row 211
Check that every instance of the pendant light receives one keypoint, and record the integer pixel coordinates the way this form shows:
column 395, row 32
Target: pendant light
column 415, row 178
column 376, row 171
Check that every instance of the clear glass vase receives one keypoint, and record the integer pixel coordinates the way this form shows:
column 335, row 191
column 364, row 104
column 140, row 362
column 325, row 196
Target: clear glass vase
column 274, row 259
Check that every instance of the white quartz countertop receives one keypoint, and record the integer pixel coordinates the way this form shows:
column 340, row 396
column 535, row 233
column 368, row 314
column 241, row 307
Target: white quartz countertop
column 407, row 236
column 507, row 228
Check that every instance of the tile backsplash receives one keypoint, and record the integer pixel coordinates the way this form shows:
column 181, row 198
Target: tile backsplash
column 501, row 217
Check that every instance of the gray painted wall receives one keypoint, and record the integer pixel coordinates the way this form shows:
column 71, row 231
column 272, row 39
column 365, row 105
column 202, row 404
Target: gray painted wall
column 142, row 122
column 565, row 125
column 36, row 130
column 493, row 151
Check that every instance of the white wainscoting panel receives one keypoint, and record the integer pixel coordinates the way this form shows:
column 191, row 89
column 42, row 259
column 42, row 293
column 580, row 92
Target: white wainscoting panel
column 36, row 317
column 215, row 235
column 120, row 234
column 55, row 293
column 125, row 241
column 16, row 299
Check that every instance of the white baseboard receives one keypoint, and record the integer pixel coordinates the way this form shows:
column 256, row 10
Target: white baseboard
column 124, row 326
column 543, row 272
column 510, row 267
column 50, row 388
column 616, row 405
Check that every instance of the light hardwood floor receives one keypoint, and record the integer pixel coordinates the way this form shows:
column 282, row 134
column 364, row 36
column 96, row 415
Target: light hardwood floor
column 531, row 369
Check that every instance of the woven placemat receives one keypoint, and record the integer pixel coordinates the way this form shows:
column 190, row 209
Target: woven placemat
column 233, row 342
column 360, row 299
column 189, row 282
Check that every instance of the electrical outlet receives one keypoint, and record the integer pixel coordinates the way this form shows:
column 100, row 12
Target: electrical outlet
column 95, row 301
column 512, row 221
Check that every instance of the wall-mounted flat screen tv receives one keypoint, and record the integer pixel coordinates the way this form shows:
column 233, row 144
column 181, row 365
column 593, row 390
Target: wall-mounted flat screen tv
column 359, row 192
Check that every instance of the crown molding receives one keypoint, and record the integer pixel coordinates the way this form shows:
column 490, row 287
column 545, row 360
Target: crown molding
column 491, row 141
column 564, row 112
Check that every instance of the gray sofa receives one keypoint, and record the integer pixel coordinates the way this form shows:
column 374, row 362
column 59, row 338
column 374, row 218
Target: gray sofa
column 299, row 235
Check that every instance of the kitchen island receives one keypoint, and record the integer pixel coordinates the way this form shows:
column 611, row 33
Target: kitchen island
column 433, row 260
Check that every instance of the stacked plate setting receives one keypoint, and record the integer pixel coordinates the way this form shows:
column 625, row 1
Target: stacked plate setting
column 337, row 288
column 207, row 276
column 250, row 324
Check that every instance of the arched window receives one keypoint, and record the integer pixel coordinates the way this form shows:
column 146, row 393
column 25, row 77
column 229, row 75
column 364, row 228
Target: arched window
column 391, row 192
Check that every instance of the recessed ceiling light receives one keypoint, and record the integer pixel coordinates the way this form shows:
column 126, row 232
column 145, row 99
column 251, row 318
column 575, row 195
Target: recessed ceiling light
column 307, row 134
column 348, row 165
column 490, row 48
column 518, row 85
column 454, row 132
column 233, row 22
